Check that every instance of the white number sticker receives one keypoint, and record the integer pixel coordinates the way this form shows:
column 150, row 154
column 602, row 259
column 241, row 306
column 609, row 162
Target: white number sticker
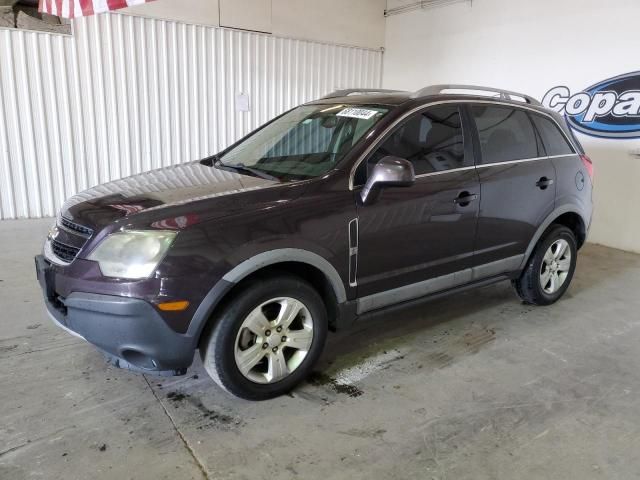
column 362, row 113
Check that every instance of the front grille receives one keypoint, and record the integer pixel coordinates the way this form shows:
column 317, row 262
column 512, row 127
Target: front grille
column 64, row 252
column 65, row 222
column 66, row 240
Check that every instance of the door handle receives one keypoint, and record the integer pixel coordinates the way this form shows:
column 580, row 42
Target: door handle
column 465, row 198
column 543, row 183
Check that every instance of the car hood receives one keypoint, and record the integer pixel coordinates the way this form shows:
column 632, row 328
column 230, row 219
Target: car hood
column 174, row 197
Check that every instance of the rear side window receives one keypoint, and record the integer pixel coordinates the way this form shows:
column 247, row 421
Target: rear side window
column 431, row 140
column 506, row 134
column 555, row 143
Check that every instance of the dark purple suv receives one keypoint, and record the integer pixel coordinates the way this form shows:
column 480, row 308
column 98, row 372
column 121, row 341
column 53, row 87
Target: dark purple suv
column 341, row 207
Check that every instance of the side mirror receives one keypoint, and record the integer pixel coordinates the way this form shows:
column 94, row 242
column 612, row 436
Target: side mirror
column 388, row 172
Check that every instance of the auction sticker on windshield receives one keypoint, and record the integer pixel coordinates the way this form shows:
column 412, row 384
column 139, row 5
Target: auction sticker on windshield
column 363, row 113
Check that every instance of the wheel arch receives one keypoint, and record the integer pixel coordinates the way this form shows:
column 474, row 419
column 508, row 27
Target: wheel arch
column 567, row 216
column 312, row 267
column 575, row 223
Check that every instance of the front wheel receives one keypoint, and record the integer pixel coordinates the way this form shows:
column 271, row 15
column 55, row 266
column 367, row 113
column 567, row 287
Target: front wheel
column 550, row 268
column 267, row 338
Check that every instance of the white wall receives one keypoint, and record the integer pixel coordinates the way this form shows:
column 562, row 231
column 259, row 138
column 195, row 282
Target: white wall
column 532, row 46
column 126, row 94
column 353, row 22
column 203, row 12
column 246, row 14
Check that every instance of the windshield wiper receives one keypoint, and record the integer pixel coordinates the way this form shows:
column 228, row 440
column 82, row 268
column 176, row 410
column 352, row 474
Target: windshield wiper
column 210, row 161
column 241, row 167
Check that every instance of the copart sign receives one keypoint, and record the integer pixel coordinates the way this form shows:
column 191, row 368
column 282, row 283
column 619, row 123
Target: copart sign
column 609, row 109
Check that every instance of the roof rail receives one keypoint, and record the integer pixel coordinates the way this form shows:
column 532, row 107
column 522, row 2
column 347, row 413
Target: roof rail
column 503, row 94
column 358, row 91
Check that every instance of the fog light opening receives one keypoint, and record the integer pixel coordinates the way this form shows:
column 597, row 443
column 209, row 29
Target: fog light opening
column 139, row 359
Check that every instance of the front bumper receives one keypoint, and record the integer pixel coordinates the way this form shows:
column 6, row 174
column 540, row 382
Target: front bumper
column 128, row 330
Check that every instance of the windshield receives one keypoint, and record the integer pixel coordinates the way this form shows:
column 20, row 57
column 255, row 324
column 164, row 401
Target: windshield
column 304, row 143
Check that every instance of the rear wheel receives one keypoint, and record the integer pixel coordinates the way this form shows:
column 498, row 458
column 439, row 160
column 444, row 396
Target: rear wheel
column 267, row 338
column 550, row 268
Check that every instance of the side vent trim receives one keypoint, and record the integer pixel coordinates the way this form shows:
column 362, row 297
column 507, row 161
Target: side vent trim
column 353, row 252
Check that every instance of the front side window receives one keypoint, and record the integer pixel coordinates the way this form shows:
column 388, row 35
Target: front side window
column 431, row 140
column 506, row 134
column 304, row 143
column 555, row 143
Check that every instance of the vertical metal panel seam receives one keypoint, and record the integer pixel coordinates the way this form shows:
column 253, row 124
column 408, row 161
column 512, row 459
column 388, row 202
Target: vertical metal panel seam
column 18, row 86
column 7, row 195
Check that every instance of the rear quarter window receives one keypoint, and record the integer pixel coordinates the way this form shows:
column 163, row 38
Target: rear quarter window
column 505, row 134
column 555, row 143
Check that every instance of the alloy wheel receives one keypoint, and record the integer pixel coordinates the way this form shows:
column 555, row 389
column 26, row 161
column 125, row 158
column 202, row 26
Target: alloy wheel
column 555, row 266
column 273, row 340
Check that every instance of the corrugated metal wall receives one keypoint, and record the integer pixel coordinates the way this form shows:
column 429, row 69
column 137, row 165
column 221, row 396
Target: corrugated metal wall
column 127, row 94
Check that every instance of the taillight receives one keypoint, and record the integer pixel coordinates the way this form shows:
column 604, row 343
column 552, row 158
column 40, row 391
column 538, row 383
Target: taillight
column 588, row 164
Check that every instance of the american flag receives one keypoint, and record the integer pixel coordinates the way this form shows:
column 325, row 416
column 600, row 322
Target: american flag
column 83, row 8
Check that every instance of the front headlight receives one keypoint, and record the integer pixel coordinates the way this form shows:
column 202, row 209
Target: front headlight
column 132, row 254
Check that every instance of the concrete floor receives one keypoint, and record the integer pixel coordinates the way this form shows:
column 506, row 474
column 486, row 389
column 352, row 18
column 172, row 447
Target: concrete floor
column 474, row 386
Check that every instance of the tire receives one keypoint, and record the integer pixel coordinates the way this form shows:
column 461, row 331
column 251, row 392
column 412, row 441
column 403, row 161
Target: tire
column 247, row 328
column 541, row 267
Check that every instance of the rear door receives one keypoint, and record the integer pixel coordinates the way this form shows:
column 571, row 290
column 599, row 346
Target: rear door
column 517, row 182
column 426, row 231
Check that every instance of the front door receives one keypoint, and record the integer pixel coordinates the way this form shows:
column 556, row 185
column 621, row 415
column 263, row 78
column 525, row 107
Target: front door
column 419, row 239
